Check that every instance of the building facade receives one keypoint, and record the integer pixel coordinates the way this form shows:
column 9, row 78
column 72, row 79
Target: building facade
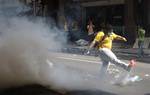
column 124, row 15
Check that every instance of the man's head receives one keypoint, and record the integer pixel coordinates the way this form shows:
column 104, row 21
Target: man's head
column 102, row 26
column 108, row 28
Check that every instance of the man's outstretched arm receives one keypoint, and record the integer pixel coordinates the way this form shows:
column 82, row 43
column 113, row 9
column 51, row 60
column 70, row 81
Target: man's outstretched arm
column 118, row 37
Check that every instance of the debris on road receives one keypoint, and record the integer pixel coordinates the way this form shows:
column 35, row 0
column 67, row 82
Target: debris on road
column 147, row 75
column 82, row 42
column 135, row 78
column 49, row 63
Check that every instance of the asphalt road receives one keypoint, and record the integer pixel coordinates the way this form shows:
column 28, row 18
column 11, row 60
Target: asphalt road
column 85, row 74
column 76, row 74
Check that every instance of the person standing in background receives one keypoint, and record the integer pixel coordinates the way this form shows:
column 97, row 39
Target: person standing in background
column 141, row 37
column 90, row 30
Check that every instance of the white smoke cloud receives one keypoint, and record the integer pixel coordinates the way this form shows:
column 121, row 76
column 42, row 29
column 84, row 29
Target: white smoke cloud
column 11, row 8
column 24, row 45
column 25, row 54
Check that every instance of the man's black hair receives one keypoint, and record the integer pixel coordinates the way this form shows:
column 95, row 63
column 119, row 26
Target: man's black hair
column 108, row 28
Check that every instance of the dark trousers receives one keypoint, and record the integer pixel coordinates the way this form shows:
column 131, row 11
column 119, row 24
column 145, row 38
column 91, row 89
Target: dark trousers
column 141, row 46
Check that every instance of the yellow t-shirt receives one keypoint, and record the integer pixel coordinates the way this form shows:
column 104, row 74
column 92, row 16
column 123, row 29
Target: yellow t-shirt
column 107, row 41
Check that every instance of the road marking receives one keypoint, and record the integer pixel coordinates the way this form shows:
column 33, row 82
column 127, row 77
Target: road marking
column 97, row 62
column 79, row 60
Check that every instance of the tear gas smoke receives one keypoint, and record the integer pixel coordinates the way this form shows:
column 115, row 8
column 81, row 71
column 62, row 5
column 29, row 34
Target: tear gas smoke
column 11, row 8
column 24, row 45
column 25, row 48
column 25, row 55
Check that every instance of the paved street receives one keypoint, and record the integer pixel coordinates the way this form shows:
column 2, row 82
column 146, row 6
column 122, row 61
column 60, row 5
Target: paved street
column 87, row 68
column 80, row 75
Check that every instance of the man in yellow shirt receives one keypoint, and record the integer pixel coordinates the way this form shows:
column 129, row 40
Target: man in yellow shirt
column 104, row 42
